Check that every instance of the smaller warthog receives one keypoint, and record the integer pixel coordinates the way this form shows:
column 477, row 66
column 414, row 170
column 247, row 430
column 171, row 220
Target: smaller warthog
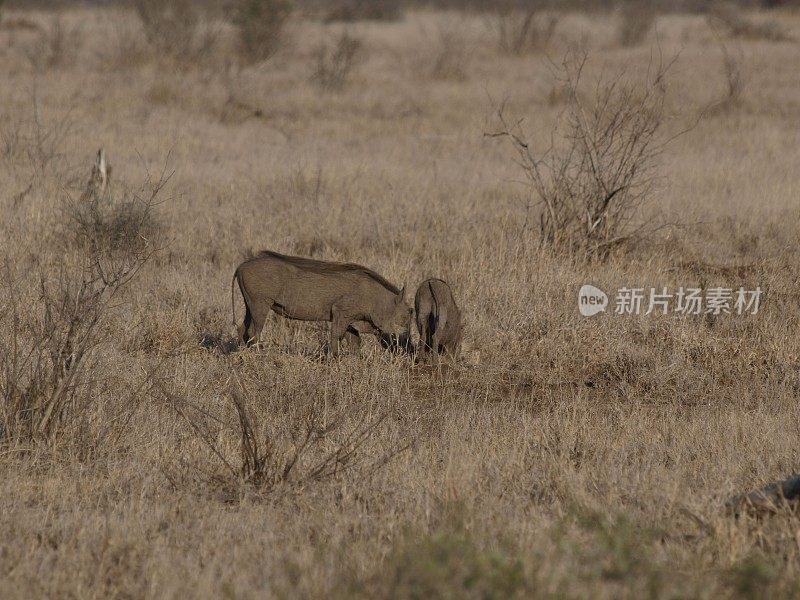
column 353, row 298
column 438, row 318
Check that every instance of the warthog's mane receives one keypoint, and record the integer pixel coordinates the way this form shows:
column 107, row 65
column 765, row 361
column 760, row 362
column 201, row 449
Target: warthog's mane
column 323, row 266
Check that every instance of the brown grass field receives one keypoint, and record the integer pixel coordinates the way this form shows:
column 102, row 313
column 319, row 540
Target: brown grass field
column 560, row 456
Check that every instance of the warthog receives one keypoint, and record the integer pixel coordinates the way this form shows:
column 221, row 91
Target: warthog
column 438, row 318
column 353, row 298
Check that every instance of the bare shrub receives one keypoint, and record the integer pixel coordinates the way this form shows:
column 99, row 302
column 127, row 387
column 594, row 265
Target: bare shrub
column 599, row 171
column 333, row 64
column 176, row 28
column 730, row 18
column 46, row 380
column 39, row 140
column 364, row 10
column 520, row 30
column 261, row 25
column 112, row 224
column 636, row 21
column 56, row 45
column 313, row 443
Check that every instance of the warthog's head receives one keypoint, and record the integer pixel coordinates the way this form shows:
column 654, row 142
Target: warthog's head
column 395, row 324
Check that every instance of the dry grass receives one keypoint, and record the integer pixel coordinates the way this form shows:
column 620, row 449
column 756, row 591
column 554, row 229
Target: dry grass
column 335, row 61
column 523, row 30
column 573, row 457
column 739, row 25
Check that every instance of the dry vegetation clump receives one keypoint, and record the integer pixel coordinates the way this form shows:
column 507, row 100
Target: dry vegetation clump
column 597, row 173
column 32, row 146
column 738, row 25
column 451, row 53
column 130, row 48
column 261, row 25
column 434, row 565
column 636, row 21
column 734, row 80
column 56, row 45
column 310, row 443
column 177, row 29
column 115, row 224
column 334, row 62
column 349, row 11
column 520, row 30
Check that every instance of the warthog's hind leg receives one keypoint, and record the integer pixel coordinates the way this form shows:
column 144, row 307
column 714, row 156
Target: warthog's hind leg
column 424, row 326
column 246, row 328
column 441, row 324
column 252, row 325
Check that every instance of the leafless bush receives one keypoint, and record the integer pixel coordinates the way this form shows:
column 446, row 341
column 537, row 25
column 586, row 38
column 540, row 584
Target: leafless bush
column 333, row 64
column 261, row 25
column 47, row 384
column 37, row 139
column 598, row 172
column 636, row 21
column 176, row 28
column 312, row 444
column 56, row 45
column 730, row 18
column 522, row 30
column 364, row 10
column 114, row 224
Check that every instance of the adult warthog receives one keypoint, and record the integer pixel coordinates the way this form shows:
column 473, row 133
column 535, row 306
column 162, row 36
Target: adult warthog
column 353, row 298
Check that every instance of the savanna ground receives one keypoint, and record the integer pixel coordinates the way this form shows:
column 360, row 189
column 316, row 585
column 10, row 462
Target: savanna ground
column 566, row 457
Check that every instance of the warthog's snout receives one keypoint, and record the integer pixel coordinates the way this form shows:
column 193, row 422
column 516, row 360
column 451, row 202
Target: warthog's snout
column 398, row 342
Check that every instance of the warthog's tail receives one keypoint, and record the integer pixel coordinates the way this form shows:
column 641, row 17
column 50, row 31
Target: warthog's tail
column 435, row 301
column 433, row 319
column 233, row 299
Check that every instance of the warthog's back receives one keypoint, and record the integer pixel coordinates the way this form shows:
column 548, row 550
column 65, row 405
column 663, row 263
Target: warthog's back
column 306, row 289
column 326, row 267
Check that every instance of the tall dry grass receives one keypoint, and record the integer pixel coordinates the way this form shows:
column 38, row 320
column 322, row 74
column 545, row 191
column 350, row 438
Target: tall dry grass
column 567, row 457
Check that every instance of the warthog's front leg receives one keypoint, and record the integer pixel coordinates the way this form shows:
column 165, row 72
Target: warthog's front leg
column 339, row 325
